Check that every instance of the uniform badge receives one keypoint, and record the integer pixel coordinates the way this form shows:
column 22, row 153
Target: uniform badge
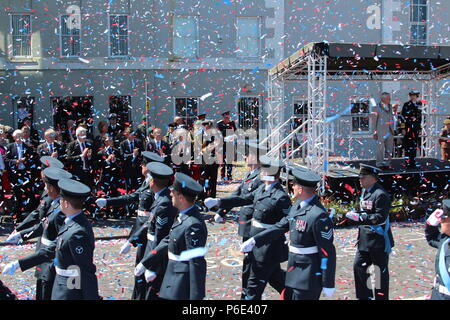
column 79, row 249
column 300, row 225
column 367, row 204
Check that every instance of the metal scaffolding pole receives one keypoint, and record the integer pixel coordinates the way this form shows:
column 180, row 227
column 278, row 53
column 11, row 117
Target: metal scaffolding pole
column 317, row 134
column 275, row 114
column 430, row 129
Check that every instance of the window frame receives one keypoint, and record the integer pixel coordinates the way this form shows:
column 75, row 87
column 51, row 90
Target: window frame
column 61, row 40
column 109, row 36
column 197, row 36
column 418, row 24
column 368, row 115
column 11, row 35
column 259, row 20
column 184, row 97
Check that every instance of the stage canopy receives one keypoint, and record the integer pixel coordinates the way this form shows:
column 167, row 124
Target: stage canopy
column 368, row 59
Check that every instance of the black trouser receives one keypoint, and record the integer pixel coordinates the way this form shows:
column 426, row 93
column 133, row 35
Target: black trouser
column 226, row 166
column 363, row 286
column 44, row 289
column 245, row 272
column 140, row 285
column 260, row 274
column 20, row 184
column 410, row 143
column 209, row 176
column 297, row 294
column 154, row 286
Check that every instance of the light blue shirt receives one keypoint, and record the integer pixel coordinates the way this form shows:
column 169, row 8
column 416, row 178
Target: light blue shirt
column 158, row 193
column 186, row 210
column 270, row 186
column 67, row 220
column 304, row 203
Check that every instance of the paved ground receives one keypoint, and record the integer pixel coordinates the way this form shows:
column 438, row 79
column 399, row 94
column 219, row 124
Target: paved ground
column 411, row 265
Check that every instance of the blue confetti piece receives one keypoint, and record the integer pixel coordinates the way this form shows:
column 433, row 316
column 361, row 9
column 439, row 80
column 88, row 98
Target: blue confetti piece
column 158, row 75
column 183, row 184
column 323, row 265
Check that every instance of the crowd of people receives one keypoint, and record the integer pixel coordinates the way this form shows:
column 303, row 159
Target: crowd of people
column 108, row 163
column 85, row 174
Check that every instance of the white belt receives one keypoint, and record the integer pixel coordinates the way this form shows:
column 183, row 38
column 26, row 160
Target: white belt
column 67, row 272
column 143, row 213
column 442, row 289
column 150, row 237
column 307, row 250
column 173, row 256
column 46, row 242
column 258, row 224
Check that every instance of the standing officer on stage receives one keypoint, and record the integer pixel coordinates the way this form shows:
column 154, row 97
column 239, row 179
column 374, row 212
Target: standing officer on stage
column 144, row 197
column 47, row 231
column 375, row 240
column 225, row 126
column 162, row 215
column 249, row 184
column 271, row 204
column 384, row 131
column 114, row 128
column 185, row 246
column 411, row 128
column 441, row 241
column 312, row 256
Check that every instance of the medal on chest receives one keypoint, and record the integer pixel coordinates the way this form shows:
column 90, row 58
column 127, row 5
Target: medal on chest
column 366, row 204
column 300, row 225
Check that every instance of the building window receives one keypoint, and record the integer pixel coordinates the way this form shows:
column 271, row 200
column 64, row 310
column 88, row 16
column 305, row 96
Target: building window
column 418, row 19
column 187, row 108
column 248, row 37
column 360, row 112
column 185, row 36
column 21, row 35
column 300, row 113
column 118, row 35
column 70, row 38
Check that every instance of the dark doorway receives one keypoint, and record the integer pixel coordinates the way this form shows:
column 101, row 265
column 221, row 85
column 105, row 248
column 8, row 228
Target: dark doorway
column 24, row 109
column 79, row 109
column 121, row 105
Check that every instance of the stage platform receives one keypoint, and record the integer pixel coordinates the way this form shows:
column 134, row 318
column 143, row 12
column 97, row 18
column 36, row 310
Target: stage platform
column 429, row 180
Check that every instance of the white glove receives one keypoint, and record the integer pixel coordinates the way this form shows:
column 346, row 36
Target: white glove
column 101, row 202
column 149, row 275
column 11, row 267
column 218, row 218
column 211, row 202
column 14, row 237
column 435, row 218
column 125, row 248
column 328, row 292
column 352, row 215
column 248, row 245
column 139, row 269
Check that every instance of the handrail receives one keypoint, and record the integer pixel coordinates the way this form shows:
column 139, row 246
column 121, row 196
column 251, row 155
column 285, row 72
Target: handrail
column 289, row 136
column 275, row 131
